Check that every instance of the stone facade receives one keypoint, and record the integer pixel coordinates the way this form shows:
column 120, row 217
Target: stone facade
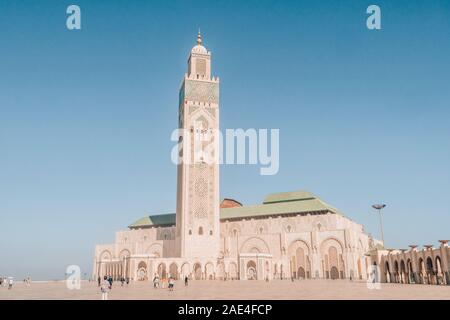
column 299, row 245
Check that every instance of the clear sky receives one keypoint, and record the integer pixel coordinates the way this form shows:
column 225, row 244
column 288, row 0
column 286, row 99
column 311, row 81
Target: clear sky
column 86, row 115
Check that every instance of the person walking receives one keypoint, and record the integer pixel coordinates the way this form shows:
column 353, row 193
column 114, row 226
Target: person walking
column 10, row 283
column 99, row 281
column 105, row 287
column 110, row 280
column 186, row 281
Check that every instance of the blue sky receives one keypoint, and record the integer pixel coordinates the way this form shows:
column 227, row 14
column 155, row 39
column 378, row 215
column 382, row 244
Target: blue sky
column 86, row 116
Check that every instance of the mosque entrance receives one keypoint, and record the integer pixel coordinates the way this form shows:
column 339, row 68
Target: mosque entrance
column 197, row 271
column 334, row 273
column 301, row 273
column 142, row 271
column 251, row 270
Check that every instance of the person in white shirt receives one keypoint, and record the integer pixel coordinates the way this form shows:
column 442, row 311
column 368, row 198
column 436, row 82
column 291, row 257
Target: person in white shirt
column 105, row 288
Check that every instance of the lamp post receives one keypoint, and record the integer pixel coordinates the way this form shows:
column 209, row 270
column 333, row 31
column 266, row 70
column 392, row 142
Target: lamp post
column 379, row 207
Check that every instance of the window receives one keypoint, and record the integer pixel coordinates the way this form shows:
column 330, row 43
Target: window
column 200, row 230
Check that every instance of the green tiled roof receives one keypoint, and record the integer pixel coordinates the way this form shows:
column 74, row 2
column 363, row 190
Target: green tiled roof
column 288, row 196
column 274, row 204
column 155, row 220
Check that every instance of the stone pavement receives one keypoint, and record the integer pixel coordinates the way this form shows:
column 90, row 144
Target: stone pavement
column 240, row 290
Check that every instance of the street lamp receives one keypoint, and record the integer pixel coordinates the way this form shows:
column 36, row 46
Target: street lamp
column 379, row 207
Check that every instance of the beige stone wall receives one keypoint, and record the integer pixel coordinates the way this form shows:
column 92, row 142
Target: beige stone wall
column 310, row 246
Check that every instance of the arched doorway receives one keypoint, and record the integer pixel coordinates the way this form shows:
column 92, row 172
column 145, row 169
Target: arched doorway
column 197, row 271
column 162, row 272
column 173, row 271
column 332, row 259
column 334, row 273
column 142, row 271
column 301, row 273
column 251, row 270
column 185, row 270
column 333, row 262
column 220, row 274
column 440, row 277
column 430, row 271
column 209, row 271
column 298, row 252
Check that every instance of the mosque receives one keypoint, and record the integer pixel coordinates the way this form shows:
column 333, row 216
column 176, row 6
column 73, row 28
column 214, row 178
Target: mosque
column 288, row 235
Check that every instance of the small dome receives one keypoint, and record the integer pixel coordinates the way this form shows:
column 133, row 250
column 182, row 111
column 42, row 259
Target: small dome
column 199, row 48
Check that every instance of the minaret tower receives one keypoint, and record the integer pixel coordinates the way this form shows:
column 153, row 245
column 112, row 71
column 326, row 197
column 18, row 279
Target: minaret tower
column 197, row 221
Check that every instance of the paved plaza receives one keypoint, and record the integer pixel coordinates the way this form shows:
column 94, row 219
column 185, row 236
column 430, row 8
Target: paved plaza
column 240, row 290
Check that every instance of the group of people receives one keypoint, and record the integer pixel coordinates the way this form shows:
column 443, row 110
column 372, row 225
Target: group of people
column 163, row 281
column 106, row 283
column 6, row 282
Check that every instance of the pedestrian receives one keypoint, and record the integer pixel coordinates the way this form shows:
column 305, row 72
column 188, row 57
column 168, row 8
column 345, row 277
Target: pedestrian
column 99, row 281
column 105, row 287
column 171, row 283
column 110, row 280
column 122, row 280
column 186, row 280
column 10, row 283
column 128, row 281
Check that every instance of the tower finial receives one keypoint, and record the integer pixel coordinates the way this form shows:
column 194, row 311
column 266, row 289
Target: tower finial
column 199, row 37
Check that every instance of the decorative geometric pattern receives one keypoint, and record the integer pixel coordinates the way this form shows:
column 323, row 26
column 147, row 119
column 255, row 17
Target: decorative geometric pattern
column 201, row 91
column 201, row 187
column 201, row 66
column 199, row 198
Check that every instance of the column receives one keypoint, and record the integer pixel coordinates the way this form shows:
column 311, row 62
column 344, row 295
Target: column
column 445, row 263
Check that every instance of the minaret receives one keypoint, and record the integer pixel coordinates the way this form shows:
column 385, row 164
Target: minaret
column 197, row 221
